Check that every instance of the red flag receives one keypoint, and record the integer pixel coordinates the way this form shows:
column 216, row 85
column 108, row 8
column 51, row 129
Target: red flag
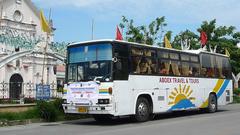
column 203, row 38
column 118, row 34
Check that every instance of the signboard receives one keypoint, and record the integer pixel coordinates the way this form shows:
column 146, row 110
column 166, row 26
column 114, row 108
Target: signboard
column 83, row 93
column 42, row 92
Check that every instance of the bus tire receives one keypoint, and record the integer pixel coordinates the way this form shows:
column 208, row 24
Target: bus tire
column 102, row 118
column 212, row 103
column 142, row 113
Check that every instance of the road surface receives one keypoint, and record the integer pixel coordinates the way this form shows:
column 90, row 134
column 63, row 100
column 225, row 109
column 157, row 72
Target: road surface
column 225, row 122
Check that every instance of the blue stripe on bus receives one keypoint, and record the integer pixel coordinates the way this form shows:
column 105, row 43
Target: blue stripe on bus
column 225, row 84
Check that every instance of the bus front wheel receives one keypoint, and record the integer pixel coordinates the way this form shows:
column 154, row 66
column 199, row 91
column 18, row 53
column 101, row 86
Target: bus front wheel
column 142, row 110
column 212, row 103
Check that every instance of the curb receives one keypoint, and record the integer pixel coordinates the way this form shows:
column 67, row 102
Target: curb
column 4, row 123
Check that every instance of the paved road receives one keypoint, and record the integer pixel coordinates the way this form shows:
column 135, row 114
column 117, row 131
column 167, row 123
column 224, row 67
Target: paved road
column 224, row 122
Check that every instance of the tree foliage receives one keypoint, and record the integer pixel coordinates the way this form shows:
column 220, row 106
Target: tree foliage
column 148, row 34
column 186, row 36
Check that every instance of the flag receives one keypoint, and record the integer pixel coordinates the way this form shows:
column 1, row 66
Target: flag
column 203, row 37
column 118, row 34
column 44, row 23
column 167, row 42
column 227, row 52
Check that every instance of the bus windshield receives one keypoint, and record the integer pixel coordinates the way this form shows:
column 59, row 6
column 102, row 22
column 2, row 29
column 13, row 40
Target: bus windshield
column 89, row 62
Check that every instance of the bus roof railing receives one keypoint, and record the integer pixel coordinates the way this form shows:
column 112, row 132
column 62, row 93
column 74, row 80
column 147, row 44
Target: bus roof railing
column 146, row 45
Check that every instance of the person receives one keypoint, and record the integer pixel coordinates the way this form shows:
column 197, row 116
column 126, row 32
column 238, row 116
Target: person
column 145, row 67
column 203, row 72
column 190, row 72
column 136, row 65
column 210, row 72
column 162, row 69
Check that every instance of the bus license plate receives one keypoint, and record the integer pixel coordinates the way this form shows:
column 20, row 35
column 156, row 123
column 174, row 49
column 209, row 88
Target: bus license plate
column 82, row 109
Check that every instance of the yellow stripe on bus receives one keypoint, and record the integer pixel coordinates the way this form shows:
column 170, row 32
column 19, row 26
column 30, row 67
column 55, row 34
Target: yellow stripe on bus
column 215, row 89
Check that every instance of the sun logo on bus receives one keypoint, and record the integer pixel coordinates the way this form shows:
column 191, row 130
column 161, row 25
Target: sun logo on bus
column 181, row 98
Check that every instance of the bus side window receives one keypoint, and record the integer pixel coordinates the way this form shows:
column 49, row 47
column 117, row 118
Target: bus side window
column 219, row 66
column 203, row 72
column 136, row 51
column 208, row 65
column 226, row 68
column 164, row 67
column 194, row 70
column 175, row 68
column 185, row 68
column 136, row 64
column 153, row 65
column 144, row 67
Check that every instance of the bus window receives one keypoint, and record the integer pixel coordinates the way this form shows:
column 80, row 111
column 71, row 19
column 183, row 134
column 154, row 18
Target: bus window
column 185, row 57
column 72, row 73
column 136, row 64
column 185, row 69
column 219, row 66
column 175, row 68
column 149, row 53
column 136, row 51
column 194, row 58
column 122, row 54
column 152, row 65
column 80, row 72
column 143, row 61
column 174, row 56
column 194, row 70
column 207, row 69
column 144, row 66
column 163, row 54
column 226, row 68
column 164, row 67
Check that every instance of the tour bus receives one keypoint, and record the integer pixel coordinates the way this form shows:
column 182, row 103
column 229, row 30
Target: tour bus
column 111, row 78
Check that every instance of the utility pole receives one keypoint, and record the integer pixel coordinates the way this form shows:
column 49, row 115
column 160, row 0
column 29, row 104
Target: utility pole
column 92, row 29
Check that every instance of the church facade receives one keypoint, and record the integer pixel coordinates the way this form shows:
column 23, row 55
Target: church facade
column 20, row 33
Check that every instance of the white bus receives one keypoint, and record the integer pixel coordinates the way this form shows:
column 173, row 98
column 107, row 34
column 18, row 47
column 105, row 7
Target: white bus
column 107, row 78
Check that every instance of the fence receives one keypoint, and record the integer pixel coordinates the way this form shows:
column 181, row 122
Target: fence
column 28, row 90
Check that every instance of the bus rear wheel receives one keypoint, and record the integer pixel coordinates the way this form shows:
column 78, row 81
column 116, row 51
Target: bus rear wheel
column 142, row 110
column 212, row 103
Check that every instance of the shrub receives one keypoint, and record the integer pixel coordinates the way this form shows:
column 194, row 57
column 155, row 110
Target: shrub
column 236, row 92
column 8, row 101
column 58, row 104
column 47, row 111
column 29, row 100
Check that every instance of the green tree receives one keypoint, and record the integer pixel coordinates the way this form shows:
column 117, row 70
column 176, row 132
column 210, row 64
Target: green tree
column 222, row 36
column 151, row 34
column 186, row 35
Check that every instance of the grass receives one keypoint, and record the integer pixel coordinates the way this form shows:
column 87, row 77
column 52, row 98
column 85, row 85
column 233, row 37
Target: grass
column 30, row 114
column 236, row 96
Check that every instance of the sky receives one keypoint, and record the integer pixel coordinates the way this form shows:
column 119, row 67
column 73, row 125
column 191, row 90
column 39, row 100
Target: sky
column 73, row 18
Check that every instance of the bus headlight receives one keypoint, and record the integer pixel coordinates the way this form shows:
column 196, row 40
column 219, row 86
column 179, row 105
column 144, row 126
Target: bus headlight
column 65, row 101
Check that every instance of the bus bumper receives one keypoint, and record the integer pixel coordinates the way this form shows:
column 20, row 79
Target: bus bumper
column 81, row 109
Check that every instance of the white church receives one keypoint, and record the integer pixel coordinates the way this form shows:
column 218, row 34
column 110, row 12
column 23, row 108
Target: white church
column 20, row 69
